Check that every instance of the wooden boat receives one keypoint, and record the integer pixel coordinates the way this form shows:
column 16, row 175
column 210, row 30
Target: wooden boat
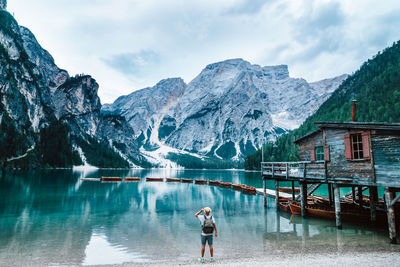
column 154, row 179
column 200, row 181
column 186, row 180
column 312, row 201
column 315, row 199
column 348, row 213
column 249, row 189
column 238, row 187
column 173, row 180
column 289, row 189
column 284, row 204
column 132, row 179
column 321, row 211
column 212, row 182
column 294, row 208
column 225, row 184
column 111, row 179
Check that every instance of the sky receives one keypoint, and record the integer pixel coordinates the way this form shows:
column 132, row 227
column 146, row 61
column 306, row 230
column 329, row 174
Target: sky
column 127, row 45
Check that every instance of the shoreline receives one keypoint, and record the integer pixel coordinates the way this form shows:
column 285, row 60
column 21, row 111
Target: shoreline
column 286, row 259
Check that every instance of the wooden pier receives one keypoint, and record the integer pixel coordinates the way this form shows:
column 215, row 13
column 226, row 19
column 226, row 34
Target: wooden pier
column 356, row 155
column 272, row 193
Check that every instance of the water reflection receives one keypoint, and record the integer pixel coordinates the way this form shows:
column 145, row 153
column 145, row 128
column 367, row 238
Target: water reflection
column 52, row 217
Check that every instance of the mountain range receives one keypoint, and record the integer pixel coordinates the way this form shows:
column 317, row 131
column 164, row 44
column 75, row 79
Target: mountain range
column 49, row 118
column 225, row 113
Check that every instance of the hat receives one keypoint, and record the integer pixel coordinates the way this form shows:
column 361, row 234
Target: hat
column 207, row 209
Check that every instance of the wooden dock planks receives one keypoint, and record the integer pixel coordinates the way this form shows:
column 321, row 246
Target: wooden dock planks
column 272, row 193
column 91, row 179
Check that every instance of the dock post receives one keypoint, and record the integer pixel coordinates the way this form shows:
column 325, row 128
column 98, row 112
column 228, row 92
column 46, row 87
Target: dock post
column 337, row 206
column 265, row 192
column 353, row 193
column 303, row 195
column 360, row 196
column 277, row 194
column 389, row 195
column 373, row 196
column 293, row 191
column 330, row 194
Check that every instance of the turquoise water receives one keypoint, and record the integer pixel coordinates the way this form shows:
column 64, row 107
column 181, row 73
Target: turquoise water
column 53, row 217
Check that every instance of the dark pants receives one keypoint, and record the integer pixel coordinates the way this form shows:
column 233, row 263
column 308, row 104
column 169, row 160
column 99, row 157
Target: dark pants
column 208, row 238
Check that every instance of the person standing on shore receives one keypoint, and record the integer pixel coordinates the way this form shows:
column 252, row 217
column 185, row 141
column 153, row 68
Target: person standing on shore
column 208, row 226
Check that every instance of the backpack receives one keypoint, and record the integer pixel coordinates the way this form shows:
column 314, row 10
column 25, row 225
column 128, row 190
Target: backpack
column 208, row 225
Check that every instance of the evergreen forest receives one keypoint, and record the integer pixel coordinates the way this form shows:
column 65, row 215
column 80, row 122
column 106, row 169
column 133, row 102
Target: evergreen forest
column 375, row 86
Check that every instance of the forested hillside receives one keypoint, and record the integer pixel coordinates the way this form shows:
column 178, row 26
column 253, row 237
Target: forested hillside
column 376, row 86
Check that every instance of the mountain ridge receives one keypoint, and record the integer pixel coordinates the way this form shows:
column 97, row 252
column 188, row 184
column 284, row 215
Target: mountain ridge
column 225, row 99
column 47, row 117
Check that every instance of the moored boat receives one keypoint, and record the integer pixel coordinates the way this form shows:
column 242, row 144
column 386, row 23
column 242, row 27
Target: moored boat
column 294, row 208
column 249, row 189
column 225, row 184
column 200, row 181
column 186, row 180
column 348, row 213
column 237, row 186
column 212, row 182
column 148, row 179
column 173, row 180
column 284, row 204
column 132, row 179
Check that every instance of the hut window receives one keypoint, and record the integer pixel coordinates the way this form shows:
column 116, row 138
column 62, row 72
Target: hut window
column 319, row 153
column 357, row 145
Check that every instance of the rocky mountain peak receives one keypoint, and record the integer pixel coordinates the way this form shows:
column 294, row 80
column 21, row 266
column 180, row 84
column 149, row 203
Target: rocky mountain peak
column 50, row 117
column 171, row 85
column 229, row 64
column 43, row 60
column 225, row 112
column 278, row 72
column 275, row 72
column 77, row 97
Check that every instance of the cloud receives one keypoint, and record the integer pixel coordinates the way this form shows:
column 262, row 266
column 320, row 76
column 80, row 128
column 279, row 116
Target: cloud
column 247, row 7
column 133, row 64
column 319, row 28
column 127, row 45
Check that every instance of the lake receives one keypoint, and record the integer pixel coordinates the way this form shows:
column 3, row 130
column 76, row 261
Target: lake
column 52, row 217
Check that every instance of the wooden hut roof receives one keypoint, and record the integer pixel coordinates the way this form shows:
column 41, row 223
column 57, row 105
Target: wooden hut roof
column 307, row 136
column 360, row 125
column 352, row 125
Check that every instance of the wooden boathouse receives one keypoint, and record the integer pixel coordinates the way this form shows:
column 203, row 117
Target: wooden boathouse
column 351, row 154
